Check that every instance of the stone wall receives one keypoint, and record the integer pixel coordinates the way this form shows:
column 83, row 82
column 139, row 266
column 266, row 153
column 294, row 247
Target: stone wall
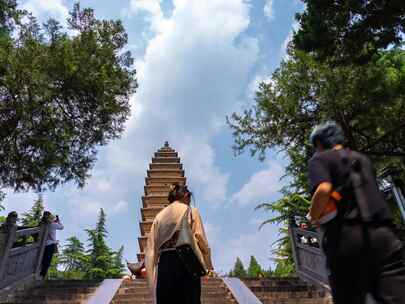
column 287, row 291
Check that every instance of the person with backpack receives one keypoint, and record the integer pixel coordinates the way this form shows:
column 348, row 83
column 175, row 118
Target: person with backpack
column 172, row 267
column 363, row 253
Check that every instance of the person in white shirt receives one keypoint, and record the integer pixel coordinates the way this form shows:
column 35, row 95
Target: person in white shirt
column 51, row 246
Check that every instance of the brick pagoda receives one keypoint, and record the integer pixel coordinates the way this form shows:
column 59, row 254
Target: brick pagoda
column 164, row 170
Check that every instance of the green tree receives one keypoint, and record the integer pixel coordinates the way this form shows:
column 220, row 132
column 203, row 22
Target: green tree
column 349, row 30
column 2, row 218
column 73, row 257
column 283, row 269
column 117, row 263
column 304, row 92
column 53, row 271
column 254, row 269
column 238, row 270
column 61, row 96
column 33, row 217
column 103, row 262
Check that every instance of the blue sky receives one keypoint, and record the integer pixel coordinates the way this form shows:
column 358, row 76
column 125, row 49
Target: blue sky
column 197, row 62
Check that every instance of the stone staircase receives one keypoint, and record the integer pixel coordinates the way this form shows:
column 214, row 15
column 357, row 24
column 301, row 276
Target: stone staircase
column 55, row 292
column 287, row 291
column 213, row 291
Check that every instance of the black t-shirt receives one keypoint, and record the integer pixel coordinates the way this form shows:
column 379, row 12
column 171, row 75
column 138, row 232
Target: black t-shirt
column 328, row 166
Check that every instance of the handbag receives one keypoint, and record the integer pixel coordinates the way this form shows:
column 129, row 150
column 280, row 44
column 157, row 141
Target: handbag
column 188, row 250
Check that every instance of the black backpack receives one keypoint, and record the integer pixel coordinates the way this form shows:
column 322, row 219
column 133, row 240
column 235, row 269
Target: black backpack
column 362, row 183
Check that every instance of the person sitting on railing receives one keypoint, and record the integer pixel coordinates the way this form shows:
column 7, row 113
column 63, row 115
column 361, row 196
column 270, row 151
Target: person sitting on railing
column 362, row 251
column 51, row 247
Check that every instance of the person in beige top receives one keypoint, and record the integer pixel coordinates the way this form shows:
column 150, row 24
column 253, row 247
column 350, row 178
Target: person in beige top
column 167, row 275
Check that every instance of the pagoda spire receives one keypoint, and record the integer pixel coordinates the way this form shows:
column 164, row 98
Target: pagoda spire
column 164, row 170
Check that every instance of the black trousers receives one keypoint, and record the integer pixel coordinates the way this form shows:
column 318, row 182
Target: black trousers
column 47, row 259
column 174, row 283
column 365, row 259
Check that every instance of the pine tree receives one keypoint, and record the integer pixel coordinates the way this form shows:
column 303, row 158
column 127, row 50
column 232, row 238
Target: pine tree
column 100, row 255
column 117, row 264
column 73, row 257
column 32, row 218
column 254, row 269
column 238, row 270
column 268, row 273
column 101, row 223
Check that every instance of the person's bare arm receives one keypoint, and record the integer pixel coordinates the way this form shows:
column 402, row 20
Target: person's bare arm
column 319, row 200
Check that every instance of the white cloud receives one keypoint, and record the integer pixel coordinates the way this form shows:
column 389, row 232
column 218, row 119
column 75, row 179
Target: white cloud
column 199, row 160
column 261, row 185
column 254, row 84
column 257, row 243
column 192, row 75
column 120, row 207
column 153, row 10
column 194, row 72
column 268, row 9
column 288, row 39
column 20, row 202
column 47, row 8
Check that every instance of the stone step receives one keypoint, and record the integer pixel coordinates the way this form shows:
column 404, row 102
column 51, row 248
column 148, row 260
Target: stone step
column 57, row 292
column 165, row 154
column 137, row 292
column 167, row 180
column 166, row 160
column 51, row 296
column 165, row 173
column 149, row 213
column 171, row 166
column 71, row 283
column 63, row 290
column 142, row 283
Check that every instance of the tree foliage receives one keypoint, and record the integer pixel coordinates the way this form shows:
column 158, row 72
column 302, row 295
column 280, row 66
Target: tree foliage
column 62, row 95
column 238, row 270
column 304, row 92
column 98, row 262
column 103, row 262
column 349, row 30
column 342, row 65
column 33, row 217
column 73, row 257
column 254, row 269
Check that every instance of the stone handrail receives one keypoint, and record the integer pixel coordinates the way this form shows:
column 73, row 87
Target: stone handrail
column 310, row 263
column 20, row 262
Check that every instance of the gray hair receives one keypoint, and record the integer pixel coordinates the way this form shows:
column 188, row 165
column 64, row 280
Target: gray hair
column 329, row 134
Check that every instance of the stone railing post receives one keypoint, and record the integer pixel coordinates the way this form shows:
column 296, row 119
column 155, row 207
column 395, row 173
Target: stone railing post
column 292, row 225
column 42, row 242
column 10, row 240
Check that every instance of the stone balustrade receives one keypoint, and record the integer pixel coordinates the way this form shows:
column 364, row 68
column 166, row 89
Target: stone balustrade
column 20, row 261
